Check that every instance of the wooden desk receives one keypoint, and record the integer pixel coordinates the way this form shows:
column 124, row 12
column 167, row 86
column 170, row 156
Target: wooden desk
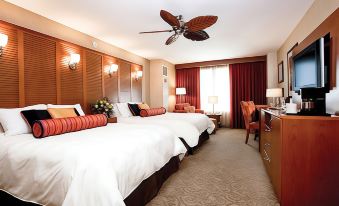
column 300, row 154
column 259, row 108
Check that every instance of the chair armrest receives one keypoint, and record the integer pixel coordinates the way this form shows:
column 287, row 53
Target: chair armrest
column 199, row 111
column 179, row 111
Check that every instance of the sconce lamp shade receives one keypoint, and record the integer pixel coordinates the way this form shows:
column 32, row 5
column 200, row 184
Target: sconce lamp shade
column 213, row 99
column 139, row 74
column 73, row 61
column 180, row 91
column 113, row 68
column 274, row 92
column 75, row 58
column 3, row 40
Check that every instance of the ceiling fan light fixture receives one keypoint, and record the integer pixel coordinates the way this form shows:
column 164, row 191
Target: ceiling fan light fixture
column 193, row 29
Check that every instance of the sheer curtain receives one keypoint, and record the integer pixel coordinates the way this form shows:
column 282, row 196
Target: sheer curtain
column 215, row 81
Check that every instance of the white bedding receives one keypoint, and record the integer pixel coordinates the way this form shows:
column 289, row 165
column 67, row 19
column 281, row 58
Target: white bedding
column 180, row 128
column 200, row 121
column 94, row 167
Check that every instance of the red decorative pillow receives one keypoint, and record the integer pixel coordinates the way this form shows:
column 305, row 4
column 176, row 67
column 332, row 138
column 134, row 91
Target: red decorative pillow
column 49, row 127
column 152, row 112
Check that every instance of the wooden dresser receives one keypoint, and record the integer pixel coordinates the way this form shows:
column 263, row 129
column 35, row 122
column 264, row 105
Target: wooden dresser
column 301, row 156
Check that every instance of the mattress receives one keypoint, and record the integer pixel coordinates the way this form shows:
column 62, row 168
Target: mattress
column 99, row 166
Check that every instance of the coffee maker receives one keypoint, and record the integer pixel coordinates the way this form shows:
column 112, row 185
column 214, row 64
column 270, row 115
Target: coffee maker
column 313, row 101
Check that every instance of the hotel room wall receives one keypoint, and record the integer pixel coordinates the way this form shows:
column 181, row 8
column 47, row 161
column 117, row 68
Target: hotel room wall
column 272, row 70
column 34, row 69
column 319, row 11
column 156, row 88
column 21, row 17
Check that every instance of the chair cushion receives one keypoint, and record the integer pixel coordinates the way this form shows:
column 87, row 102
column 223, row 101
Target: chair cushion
column 254, row 125
column 190, row 109
column 181, row 106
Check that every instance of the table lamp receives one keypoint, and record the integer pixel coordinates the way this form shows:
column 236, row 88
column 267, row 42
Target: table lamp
column 180, row 91
column 213, row 100
column 275, row 94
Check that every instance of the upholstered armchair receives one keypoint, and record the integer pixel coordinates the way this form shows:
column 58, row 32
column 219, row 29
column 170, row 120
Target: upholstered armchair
column 180, row 108
column 248, row 109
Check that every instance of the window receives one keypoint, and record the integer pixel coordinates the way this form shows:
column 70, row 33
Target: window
column 215, row 81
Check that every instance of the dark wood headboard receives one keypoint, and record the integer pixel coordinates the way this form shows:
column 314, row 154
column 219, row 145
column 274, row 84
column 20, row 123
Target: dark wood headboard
column 34, row 69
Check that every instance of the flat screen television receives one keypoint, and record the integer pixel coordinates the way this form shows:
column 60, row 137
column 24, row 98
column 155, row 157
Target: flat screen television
column 311, row 66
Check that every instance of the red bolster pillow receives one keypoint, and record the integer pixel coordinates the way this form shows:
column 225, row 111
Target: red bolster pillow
column 152, row 112
column 49, row 127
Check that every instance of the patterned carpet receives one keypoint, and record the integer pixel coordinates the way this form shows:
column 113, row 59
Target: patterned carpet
column 224, row 171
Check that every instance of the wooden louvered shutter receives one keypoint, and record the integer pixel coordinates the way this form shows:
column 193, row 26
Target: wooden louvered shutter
column 71, row 81
column 111, row 81
column 136, row 85
column 125, row 82
column 9, row 71
column 40, row 74
column 93, row 78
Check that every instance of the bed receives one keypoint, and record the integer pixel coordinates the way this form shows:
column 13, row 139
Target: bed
column 112, row 165
column 192, row 129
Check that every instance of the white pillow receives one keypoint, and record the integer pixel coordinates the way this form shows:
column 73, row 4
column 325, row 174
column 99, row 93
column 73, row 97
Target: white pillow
column 116, row 111
column 12, row 121
column 76, row 106
column 124, row 110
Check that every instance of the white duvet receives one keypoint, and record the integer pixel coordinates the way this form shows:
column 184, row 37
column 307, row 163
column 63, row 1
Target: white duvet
column 200, row 121
column 180, row 128
column 94, row 167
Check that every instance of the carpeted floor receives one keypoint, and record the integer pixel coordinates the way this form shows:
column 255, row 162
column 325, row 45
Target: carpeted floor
column 224, row 171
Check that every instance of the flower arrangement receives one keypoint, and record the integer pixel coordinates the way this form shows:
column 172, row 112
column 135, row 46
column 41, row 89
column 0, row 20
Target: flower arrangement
column 103, row 106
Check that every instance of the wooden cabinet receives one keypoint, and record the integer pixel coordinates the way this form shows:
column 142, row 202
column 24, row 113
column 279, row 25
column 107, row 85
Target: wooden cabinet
column 301, row 156
column 271, row 149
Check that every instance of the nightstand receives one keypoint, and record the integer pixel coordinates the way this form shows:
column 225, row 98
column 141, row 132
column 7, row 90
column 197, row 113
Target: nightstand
column 112, row 120
column 217, row 117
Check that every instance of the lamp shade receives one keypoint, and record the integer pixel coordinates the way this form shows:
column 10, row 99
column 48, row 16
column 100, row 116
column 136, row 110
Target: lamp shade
column 113, row 68
column 139, row 74
column 274, row 92
column 180, row 91
column 3, row 40
column 74, row 58
column 213, row 99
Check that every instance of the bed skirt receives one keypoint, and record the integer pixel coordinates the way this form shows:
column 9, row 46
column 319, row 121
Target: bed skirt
column 202, row 138
column 144, row 193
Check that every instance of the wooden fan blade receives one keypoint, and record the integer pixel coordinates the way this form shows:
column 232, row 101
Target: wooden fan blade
column 196, row 36
column 169, row 18
column 150, row 32
column 172, row 39
column 201, row 23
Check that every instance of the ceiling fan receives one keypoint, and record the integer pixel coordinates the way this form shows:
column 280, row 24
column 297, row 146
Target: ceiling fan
column 193, row 29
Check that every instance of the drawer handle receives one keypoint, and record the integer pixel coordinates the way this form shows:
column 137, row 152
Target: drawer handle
column 267, row 158
column 268, row 128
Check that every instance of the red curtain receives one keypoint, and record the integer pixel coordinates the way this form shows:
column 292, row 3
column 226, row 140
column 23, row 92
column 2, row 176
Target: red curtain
column 247, row 83
column 190, row 79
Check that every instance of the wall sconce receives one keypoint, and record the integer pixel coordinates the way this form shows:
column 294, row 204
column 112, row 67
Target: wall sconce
column 73, row 61
column 138, row 75
column 112, row 69
column 3, row 42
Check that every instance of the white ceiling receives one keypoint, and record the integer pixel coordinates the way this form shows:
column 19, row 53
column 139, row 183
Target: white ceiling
column 244, row 28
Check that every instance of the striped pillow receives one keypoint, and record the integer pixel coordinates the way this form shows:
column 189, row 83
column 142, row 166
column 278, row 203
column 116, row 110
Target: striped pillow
column 49, row 127
column 152, row 112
